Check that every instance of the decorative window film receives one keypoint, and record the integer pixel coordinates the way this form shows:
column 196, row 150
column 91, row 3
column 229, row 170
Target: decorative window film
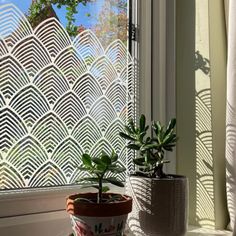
column 59, row 97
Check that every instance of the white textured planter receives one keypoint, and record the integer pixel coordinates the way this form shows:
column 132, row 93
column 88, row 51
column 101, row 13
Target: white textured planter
column 160, row 206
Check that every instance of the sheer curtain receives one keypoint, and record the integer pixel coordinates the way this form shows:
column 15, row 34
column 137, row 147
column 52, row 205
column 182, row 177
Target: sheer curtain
column 231, row 115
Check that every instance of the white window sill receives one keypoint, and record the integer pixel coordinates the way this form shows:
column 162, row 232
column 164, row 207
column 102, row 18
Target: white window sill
column 197, row 231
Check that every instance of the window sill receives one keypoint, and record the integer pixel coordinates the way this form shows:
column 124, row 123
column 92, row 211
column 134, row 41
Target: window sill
column 197, row 231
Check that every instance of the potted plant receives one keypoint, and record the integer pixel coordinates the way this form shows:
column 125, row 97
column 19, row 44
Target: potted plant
column 99, row 213
column 160, row 201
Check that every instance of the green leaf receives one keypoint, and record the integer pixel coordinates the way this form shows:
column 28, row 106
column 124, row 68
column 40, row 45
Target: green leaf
column 149, row 146
column 168, row 148
column 133, row 146
column 86, row 159
column 142, row 123
column 127, row 128
column 101, row 167
column 171, row 125
column 114, row 156
column 80, row 199
column 157, row 126
column 114, row 181
column 131, row 124
column 117, row 169
column 104, row 189
column 97, row 161
column 106, row 159
column 126, row 136
column 139, row 161
column 141, row 136
column 83, row 168
column 171, row 138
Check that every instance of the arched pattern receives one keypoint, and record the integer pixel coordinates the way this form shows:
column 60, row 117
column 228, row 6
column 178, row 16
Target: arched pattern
column 59, row 98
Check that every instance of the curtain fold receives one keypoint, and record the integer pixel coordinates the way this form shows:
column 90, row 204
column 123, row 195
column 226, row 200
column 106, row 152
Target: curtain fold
column 231, row 116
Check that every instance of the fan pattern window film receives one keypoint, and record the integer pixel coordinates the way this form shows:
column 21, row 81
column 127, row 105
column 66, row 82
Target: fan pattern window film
column 58, row 98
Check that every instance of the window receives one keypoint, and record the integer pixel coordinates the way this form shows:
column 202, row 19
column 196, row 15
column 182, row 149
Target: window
column 41, row 210
column 61, row 95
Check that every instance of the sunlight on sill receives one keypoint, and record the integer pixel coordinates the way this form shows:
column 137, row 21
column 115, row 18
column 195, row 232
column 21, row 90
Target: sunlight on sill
column 197, row 231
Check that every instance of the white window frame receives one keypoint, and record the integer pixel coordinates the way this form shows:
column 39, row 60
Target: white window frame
column 43, row 209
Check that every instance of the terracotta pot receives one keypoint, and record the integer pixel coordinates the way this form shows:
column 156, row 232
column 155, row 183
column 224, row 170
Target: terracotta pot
column 160, row 206
column 93, row 219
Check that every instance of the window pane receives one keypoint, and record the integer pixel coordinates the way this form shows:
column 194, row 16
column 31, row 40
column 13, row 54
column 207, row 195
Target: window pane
column 64, row 90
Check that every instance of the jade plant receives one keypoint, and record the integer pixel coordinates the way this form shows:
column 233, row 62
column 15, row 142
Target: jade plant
column 99, row 168
column 152, row 147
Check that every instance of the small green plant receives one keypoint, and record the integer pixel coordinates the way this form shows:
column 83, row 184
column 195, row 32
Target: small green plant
column 151, row 148
column 99, row 168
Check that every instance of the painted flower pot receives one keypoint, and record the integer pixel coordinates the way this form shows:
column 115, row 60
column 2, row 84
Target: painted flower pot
column 93, row 219
column 160, row 206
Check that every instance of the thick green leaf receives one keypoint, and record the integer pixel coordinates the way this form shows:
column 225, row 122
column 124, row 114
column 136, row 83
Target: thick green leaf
column 114, row 156
column 133, row 146
column 171, row 138
column 126, row 136
column 149, row 146
column 142, row 123
column 81, row 199
column 131, row 124
column 128, row 130
column 139, row 161
column 114, row 181
column 86, row 159
column 114, row 198
column 168, row 148
column 104, row 188
column 83, row 168
column 117, row 169
column 106, row 159
column 141, row 136
column 101, row 167
column 171, row 125
column 97, row 161
column 156, row 126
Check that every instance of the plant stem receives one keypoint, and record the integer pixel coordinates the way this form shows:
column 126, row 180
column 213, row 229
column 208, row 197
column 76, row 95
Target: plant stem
column 99, row 200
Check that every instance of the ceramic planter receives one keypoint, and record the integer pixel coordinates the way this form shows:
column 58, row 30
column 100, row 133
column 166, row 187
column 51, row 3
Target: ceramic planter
column 93, row 219
column 160, row 206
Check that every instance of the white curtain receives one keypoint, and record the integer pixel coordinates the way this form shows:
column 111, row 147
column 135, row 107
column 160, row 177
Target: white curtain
column 231, row 115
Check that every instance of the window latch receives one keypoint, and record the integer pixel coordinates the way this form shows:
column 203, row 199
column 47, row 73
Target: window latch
column 134, row 32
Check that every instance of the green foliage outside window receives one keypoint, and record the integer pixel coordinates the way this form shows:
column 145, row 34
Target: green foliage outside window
column 41, row 9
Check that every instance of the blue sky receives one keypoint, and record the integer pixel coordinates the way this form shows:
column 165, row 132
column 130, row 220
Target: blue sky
column 81, row 18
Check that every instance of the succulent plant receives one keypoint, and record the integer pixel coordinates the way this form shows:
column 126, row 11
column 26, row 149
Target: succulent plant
column 151, row 148
column 99, row 168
